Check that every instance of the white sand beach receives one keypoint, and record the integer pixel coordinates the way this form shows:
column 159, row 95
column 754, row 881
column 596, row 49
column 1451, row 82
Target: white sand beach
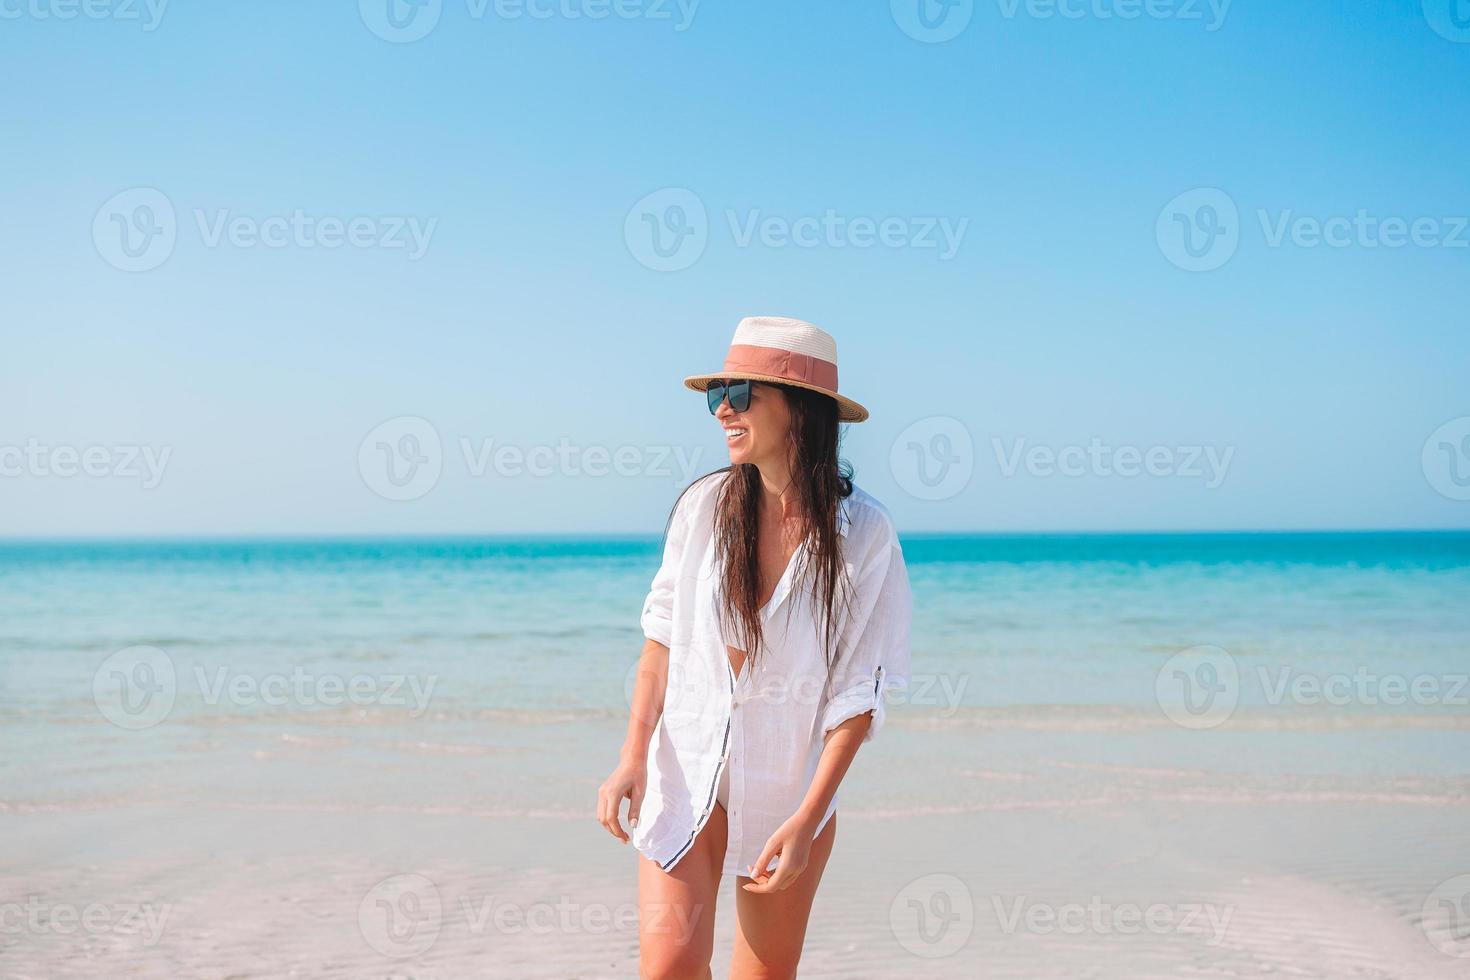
column 998, row 844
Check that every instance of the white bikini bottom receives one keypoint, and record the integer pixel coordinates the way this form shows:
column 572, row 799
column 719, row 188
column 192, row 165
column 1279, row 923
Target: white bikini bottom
column 723, row 793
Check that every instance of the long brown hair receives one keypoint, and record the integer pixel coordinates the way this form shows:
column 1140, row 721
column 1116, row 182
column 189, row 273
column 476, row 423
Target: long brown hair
column 821, row 481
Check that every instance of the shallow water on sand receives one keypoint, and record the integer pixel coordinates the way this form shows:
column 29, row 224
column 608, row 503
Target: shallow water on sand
column 1130, row 756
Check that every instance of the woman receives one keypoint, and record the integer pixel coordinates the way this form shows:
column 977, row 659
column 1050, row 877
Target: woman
column 744, row 721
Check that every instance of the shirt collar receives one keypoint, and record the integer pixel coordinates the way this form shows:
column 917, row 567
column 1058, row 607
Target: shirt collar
column 844, row 519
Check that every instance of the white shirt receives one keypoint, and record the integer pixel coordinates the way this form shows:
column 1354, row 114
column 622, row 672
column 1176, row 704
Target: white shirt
column 787, row 702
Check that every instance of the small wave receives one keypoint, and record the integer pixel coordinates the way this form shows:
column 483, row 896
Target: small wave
column 1104, row 718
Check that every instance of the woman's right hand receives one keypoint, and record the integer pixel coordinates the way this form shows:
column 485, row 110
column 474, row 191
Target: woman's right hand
column 628, row 781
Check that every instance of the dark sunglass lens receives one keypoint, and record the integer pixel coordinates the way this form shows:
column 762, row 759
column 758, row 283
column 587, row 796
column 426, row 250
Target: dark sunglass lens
column 715, row 394
column 740, row 396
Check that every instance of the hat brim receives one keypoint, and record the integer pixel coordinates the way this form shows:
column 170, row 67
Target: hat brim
column 847, row 409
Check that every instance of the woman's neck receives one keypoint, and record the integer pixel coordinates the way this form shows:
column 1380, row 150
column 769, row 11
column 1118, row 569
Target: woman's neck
column 778, row 492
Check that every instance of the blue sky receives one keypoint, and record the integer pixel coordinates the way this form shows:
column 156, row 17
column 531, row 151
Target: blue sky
column 1060, row 361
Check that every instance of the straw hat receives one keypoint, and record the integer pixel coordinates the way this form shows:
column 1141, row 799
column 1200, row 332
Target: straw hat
column 780, row 350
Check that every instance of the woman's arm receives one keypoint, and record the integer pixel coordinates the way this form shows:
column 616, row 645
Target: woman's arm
column 648, row 701
column 629, row 780
column 874, row 652
column 793, row 840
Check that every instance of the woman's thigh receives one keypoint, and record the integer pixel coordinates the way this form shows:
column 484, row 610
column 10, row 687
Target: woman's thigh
column 676, row 909
column 772, row 927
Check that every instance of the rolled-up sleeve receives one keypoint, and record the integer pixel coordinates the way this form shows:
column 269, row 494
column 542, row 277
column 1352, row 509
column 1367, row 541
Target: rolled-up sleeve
column 658, row 608
column 874, row 649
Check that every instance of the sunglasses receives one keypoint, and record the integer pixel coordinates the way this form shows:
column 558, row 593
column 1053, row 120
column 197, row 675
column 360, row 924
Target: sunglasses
column 738, row 391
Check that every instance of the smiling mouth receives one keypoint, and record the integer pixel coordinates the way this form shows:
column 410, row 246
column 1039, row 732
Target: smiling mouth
column 732, row 434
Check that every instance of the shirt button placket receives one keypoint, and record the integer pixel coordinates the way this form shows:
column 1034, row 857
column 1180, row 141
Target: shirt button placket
column 737, row 752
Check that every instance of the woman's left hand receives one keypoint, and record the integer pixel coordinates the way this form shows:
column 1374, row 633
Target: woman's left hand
column 792, row 841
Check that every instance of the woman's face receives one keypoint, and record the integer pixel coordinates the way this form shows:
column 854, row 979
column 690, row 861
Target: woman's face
column 761, row 433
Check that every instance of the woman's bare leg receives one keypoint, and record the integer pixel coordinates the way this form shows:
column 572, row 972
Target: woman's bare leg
column 676, row 909
column 772, row 927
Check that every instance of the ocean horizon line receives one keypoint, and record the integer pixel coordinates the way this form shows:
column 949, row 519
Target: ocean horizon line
column 348, row 537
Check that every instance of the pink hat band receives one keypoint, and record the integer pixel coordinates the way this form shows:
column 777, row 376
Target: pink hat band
column 782, row 364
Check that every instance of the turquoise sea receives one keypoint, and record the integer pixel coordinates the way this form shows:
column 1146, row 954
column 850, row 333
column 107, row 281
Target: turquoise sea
column 551, row 624
column 256, row 735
